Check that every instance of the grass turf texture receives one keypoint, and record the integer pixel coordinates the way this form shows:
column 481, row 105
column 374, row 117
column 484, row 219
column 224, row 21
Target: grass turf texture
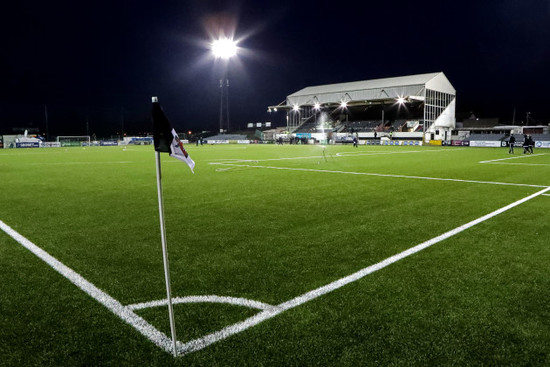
column 271, row 234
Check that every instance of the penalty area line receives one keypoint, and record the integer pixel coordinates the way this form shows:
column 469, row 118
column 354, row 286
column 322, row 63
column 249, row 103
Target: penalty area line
column 509, row 158
column 126, row 314
column 382, row 175
column 239, row 327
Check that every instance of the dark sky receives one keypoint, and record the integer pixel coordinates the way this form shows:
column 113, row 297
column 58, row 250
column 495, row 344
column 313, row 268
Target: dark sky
column 101, row 61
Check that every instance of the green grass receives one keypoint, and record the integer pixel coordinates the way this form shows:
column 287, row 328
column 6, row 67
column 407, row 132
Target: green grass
column 272, row 234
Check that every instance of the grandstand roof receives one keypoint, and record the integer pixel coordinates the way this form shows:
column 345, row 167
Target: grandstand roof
column 372, row 91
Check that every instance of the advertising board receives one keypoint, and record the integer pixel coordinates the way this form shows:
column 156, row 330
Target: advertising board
column 460, row 143
column 108, row 143
column 30, row 144
column 485, row 143
column 51, row 144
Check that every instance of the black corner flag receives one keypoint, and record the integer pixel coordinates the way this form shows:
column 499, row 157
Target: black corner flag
column 162, row 131
column 165, row 137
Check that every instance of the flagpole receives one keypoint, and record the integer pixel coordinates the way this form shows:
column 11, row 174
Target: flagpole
column 165, row 254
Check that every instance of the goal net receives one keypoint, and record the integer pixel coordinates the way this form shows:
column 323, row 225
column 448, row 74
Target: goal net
column 74, row 140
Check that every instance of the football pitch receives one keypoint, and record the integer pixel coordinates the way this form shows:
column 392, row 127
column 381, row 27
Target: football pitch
column 279, row 255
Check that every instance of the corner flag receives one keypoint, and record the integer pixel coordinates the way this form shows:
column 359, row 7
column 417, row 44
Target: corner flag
column 167, row 141
column 165, row 137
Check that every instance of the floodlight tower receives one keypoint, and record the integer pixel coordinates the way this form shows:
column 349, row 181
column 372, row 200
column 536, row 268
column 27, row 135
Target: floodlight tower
column 224, row 49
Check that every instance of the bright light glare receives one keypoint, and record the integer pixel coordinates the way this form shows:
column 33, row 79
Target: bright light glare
column 317, row 106
column 400, row 100
column 295, row 107
column 343, row 104
column 224, row 48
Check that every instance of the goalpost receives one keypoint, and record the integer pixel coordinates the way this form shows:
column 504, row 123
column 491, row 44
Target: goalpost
column 74, row 140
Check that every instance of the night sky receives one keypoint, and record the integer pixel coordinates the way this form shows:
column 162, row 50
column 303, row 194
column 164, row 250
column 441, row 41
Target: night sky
column 94, row 65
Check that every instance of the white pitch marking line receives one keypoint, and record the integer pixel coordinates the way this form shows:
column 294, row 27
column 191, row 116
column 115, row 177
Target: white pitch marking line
column 372, row 152
column 519, row 164
column 342, row 154
column 75, row 163
column 385, row 175
column 165, row 343
column 237, row 160
column 125, row 313
column 506, row 159
column 203, row 342
column 205, row 299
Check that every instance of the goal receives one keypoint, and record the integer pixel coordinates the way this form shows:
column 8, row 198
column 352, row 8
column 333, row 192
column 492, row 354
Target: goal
column 74, row 140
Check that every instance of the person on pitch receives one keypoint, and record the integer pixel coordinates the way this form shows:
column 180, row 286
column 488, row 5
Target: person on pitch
column 525, row 144
column 512, row 141
column 531, row 143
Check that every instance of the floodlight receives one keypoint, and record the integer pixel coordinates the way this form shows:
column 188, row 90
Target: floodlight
column 317, row 106
column 224, row 48
column 295, row 108
column 400, row 100
column 343, row 104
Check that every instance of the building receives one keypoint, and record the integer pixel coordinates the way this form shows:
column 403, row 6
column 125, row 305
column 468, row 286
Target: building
column 423, row 103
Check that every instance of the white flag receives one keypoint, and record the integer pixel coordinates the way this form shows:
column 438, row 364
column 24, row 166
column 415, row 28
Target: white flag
column 179, row 152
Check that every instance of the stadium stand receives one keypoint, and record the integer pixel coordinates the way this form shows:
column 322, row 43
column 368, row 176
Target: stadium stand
column 311, row 125
column 391, row 100
column 397, row 125
column 537, row 137
column 491, row 137
column 361, row 126
column 500, row 137
column 227, row 137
